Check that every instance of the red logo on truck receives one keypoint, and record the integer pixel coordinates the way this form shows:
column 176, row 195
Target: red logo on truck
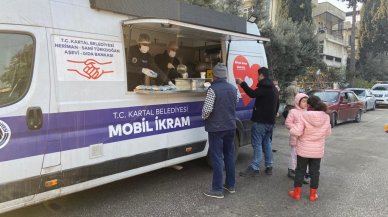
column 92, row 69
column 242, row 70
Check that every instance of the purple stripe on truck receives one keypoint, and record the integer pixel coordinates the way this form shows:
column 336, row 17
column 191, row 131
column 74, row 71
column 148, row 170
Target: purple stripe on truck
column 73, row 130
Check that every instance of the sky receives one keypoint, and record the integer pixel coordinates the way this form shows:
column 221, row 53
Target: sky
column 341, row 5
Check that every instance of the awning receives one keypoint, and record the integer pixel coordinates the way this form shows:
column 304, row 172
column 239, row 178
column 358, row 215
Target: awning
column 188, row 30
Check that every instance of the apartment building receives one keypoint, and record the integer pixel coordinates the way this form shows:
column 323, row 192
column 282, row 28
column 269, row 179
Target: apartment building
column 330, row 22
column 333, row 28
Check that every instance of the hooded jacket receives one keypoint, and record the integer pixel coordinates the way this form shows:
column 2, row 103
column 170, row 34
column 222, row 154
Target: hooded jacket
column 294, row 115
column 291, row 92
column 266, row 101
column 312, row 130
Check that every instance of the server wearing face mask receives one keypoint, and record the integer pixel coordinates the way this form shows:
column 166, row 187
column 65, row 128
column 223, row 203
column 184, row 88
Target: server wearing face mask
column 168, row 62
column 141, row 66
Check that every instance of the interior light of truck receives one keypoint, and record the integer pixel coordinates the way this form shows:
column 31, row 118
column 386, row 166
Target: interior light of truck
column 166, row 25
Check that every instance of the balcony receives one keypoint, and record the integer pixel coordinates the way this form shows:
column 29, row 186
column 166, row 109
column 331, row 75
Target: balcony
column 331, row 38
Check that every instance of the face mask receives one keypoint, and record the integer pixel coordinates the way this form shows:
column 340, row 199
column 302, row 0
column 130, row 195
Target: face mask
column 144, row 49
column 172, row 53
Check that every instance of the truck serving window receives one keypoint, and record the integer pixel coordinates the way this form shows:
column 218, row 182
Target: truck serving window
column 161, row 51
column 173, row 57
column 16, row 57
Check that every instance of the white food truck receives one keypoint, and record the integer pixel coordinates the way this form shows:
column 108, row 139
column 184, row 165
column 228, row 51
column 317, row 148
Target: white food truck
column 68, row 121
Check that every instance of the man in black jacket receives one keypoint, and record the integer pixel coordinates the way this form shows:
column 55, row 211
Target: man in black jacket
column 168, row 62
column 264, row 113
column 141, row 65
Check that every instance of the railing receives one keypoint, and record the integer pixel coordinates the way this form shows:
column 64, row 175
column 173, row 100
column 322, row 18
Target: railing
column 338, row 39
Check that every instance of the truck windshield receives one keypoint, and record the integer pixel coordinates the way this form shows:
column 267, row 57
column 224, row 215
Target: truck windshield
column 16, row 55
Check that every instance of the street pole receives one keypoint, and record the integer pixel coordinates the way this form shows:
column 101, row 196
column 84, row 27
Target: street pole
column 352, row 67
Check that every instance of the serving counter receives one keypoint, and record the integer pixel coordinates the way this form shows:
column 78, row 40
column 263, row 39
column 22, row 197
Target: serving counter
column 169, row 91
column 183, row 85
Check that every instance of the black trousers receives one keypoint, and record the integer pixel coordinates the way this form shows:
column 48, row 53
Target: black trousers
column 301, row 167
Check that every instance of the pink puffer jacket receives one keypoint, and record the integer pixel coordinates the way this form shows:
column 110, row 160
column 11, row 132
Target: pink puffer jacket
column 312, row 131
column 294, row 115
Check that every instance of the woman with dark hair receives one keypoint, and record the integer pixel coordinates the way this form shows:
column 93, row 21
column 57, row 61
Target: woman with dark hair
column 312, row 130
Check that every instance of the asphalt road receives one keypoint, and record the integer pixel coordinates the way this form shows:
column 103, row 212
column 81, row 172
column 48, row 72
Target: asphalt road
column 354, row 182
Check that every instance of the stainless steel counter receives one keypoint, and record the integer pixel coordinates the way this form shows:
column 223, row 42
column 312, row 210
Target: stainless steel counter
column 203, row 91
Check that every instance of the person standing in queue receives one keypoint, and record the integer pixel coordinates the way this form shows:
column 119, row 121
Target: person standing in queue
column 168, row 62
column 263, row 115
column 219, row 114
column 290, row 94
column 141, row 65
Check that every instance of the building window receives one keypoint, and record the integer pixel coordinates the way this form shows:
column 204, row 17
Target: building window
column 338, row 59
column 329, row 58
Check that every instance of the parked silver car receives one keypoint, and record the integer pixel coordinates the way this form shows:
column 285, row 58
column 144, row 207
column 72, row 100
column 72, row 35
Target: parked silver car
column 380, row 91
column 366, row 96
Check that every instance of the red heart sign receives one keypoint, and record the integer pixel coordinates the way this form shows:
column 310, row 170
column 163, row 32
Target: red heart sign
column 242, row 70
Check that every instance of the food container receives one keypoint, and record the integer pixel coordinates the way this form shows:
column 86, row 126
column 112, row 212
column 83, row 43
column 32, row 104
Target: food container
column 181, row 68
column 183, row 84
column 197, row 84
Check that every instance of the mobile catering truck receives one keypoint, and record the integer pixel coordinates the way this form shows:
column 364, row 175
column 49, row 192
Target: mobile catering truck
column 67, row 119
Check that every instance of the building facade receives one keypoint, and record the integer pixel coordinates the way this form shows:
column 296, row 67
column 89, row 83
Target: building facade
column 333, row 28
column 330, row 22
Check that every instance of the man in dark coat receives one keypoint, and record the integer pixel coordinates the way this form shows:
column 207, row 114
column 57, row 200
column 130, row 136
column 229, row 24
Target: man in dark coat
column 264, row 113
column 219, row 113
column 141, row 64
column 168, row 62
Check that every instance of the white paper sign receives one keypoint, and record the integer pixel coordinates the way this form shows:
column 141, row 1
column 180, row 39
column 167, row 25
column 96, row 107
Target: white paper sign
column 80, row 59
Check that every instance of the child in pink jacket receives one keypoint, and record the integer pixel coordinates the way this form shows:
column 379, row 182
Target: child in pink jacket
column 292, row 117
column 312, row 130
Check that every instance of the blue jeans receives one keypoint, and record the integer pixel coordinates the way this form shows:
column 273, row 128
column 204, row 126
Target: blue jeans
column 261, row 142
column 221, row 146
